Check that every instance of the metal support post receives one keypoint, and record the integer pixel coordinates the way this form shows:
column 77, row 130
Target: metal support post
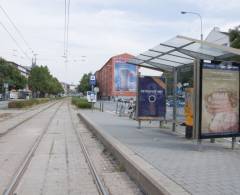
column 233, row 142
column 174, row 100
column 160, row 124
column 139, row 124
column 117, row 107
column 196, row 98
column 212, row 140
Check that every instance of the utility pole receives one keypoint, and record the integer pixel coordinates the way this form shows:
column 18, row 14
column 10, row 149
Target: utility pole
column 34, row 60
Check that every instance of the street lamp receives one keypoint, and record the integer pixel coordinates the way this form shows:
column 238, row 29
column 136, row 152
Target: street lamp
column 197, row 14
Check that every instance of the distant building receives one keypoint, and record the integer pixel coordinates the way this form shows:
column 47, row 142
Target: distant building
column 66, row 87
column 24, row 70
column 218, row 37
column 116, row 78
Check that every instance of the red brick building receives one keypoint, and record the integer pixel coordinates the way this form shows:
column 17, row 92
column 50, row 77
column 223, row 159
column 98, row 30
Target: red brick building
column 117, row 78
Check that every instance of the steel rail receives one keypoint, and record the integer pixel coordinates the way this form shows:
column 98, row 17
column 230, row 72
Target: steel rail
column 100, row 186
column 23, row 167
column 25, row 120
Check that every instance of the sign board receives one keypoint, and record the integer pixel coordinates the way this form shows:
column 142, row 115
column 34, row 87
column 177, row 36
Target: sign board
column 5, row 85
column 91, row 96
column 151, row 99
column 219, row 100
column 92, row 80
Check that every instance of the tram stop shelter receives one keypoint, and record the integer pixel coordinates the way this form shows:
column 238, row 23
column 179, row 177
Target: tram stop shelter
column 181, row 51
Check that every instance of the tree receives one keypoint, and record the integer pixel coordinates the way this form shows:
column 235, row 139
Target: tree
column 234, row 37
column 84, row 85
column 11, row 75
column 42, row 82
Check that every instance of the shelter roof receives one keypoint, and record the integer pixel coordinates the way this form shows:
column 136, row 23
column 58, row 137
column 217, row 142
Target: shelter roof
column 180, row 51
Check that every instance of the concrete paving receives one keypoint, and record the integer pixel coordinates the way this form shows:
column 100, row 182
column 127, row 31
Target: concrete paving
column 3, row 104
column 11, row 122
column 58, row 166
column 212, row 170
column 15, row 145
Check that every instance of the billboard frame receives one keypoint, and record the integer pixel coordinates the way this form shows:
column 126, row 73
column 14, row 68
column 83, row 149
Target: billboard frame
column 139, row 119
column 220, row 135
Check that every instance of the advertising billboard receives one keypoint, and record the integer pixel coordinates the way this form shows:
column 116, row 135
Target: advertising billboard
column 219, row 106
column 125, row 77
column 188, row 107
column 151, row 100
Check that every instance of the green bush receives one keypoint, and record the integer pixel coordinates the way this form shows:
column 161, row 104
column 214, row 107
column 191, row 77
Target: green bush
column 26, row 103
column 81, row 103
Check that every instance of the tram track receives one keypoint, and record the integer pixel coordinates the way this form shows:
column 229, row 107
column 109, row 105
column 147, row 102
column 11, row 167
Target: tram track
column 23, row 168
column 8, row 130
column 100, row 186
column 24, row 165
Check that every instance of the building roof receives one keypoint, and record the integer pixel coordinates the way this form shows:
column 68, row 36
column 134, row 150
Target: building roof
column 180, row 51
column 115, row 57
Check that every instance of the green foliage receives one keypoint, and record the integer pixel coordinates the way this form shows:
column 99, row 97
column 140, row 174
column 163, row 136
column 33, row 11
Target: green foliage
column 11, row 75
column 81, row 103
column 184, row 75
column 234, row 37
column 41, row 81
column 27, row 103
column 84, row 85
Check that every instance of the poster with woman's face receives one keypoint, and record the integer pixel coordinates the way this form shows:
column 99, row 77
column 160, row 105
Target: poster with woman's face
column 220, row 99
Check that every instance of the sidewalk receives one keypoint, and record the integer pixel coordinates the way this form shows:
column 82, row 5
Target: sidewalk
column 213, row 170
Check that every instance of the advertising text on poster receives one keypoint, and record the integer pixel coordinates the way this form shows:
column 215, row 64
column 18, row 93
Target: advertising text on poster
column 151, row 98
column 220, row 101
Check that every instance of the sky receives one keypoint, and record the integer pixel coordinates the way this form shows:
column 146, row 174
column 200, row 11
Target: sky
column 100, row 29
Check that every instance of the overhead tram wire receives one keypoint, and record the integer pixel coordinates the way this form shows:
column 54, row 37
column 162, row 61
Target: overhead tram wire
column 67, row 42
column 14, row 40
column 16, row 28
column 65, row 27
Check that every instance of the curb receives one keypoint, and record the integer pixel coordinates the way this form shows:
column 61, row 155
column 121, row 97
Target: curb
column 150, row 180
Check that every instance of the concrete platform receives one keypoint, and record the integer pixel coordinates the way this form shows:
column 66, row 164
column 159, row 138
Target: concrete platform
column 162, row 162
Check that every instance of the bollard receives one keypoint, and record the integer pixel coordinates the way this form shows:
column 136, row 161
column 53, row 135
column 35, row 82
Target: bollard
column 233, row 142
column 212, row 140
column 117, row 107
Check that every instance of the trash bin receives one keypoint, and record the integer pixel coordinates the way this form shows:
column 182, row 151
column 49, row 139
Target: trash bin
column 189, row 132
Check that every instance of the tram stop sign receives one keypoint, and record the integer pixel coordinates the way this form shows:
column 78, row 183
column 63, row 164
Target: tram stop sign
column 92, row 80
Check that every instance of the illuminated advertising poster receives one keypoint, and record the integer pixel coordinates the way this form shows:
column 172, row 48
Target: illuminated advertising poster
column 151, row 98
column 188, row 108
column 125, row 77
column 220, row 101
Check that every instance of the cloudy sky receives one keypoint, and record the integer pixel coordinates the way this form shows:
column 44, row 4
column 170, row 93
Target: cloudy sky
column 100, row 29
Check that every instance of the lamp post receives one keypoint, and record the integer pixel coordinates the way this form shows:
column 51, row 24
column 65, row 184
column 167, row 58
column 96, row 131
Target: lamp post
column 197, row 14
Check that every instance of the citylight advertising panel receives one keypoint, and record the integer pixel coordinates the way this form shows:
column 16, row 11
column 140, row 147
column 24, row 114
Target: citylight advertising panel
column 151, row 98
column 125, row 77
column 220, row 101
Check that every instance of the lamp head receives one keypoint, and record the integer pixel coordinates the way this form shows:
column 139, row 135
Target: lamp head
column 183, row 12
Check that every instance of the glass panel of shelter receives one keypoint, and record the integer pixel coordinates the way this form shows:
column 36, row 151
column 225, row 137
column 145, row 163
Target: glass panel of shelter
column 177, row 42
